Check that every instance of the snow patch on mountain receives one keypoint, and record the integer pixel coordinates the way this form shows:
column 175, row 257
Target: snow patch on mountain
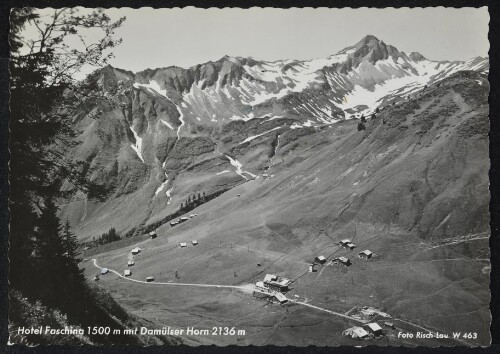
column 138, row 144
column 163, row 185
column 169, row 194
column 222, row 172
column 242, row 117
column 250, row 138
column 239, row 168
column 152, row 86
column 167, row 124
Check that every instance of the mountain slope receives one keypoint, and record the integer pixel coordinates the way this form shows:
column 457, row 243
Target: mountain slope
column 412, row 188
column 154, row 138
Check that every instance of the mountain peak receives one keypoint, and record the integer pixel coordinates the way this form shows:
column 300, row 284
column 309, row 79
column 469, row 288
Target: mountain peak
column 368, row 40
column 371, row 49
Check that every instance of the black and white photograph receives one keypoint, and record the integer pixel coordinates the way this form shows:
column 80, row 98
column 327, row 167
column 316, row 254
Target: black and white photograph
column 260, row 176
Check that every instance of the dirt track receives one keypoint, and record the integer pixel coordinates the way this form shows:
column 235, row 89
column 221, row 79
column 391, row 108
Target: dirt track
column 244, row 288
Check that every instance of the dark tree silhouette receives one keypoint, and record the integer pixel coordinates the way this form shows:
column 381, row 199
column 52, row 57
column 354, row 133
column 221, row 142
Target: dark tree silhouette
column 44, row 95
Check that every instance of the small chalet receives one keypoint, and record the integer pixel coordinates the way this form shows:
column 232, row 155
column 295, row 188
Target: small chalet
column 342, row 260
column 344, row 242
column 173, row 223
column 150, row 279
column 153, row 234
column 355, row 333
column 320, row 259
column 127, row 272
column 374, row 328
column 136, row 250
column 366, row 254
column 104, row 271
column 184, row 218
column 130, row 263
column 350, row 245
column 194, row 242
column 183, row 244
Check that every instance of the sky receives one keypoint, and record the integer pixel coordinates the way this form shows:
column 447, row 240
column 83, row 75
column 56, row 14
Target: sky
column 185, row 37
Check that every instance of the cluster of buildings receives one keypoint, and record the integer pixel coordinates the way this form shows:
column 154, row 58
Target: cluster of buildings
column 347, row 244
column 182, row 219
column 184, row 244
column 344, row 261
column 369, row 330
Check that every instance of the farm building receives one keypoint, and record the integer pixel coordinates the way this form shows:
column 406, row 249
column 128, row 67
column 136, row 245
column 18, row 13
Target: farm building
column 344, row 242
column 194, row 242
column 350, row 245
column 130, row 263
column 150, row 279
column 311, row 268
column 184, row 218
column 153, row 234
column 183, row 244
column 104, row 270
column 342, row 260
column 127, row 272
column 355, row 332
column 320, row 259
column 374, row 328
column 366, row 254
column 276, row 283
column 281, row 298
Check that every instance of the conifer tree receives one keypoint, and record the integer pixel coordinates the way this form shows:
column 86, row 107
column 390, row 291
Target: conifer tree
column 41, row 73
column 69, row 241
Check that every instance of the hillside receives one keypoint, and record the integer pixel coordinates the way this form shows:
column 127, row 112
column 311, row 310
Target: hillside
column 154, row 138
column 412, row 187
